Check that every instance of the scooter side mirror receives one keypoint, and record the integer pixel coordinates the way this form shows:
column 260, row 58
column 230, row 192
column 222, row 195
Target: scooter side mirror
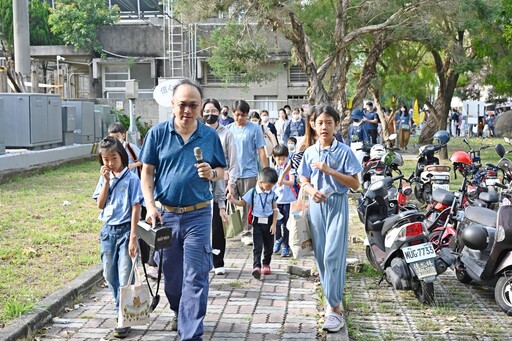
column 389, row 158
column 500, row 150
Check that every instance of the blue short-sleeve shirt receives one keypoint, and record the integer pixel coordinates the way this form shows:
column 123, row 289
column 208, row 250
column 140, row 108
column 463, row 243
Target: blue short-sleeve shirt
column 176, row 180
column 338, row 156
column 248, row 139
column 284, row 192
column 371, row 115
column 124, row 192
column 262, row 206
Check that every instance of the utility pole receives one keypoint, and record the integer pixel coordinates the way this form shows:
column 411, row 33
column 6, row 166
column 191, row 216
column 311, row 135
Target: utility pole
column 21, row 37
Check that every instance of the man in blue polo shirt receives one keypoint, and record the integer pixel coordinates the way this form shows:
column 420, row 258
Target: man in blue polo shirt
column 172, row 175
column 250, row 144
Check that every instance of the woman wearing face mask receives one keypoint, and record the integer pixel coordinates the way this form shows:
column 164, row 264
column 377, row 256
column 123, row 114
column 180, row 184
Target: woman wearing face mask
column 281, row 124
column 297, row 126
column 266, row 124
column 211, row 109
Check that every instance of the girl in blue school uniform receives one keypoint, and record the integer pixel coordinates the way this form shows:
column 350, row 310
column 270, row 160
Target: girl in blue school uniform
column 328, row 169
column 119, row 196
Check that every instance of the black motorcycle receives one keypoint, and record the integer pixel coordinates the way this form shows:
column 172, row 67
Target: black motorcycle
column 398, row 244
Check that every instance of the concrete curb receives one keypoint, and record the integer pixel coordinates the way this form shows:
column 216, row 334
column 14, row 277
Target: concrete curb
column 26, row 326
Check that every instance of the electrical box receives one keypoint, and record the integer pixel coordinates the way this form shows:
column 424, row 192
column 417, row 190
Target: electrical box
column 132, row 89
column 84, row 132
column 33, row 120
column 68, row 125
column 2, row 125
column 106, row 118
column 98, row 133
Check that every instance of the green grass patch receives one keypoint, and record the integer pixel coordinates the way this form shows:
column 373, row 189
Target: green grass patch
column 49, row 234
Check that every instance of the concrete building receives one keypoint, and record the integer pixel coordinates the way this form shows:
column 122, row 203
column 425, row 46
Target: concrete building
column 148, row 45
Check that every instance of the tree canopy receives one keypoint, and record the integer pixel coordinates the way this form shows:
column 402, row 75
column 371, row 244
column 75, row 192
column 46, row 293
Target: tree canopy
column 40, row 33
column 77, row 21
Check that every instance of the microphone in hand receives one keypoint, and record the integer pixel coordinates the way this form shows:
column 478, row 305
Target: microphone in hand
column 198, row 153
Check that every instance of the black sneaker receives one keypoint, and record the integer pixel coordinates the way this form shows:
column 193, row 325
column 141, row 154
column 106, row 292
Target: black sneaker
column 121, row 333
column 174, row 323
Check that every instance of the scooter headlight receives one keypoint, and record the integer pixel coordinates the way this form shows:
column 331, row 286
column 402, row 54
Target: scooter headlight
column 500, row 233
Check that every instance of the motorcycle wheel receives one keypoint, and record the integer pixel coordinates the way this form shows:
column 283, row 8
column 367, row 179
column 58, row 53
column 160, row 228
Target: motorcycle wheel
column 463, row 276
column 371, row 258
column 418, row 193
column 503, row 294
column 424, row 292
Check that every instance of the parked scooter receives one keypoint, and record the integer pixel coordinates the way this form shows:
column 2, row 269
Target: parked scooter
column 484, row 244
column 429, row 175
column 398, row 245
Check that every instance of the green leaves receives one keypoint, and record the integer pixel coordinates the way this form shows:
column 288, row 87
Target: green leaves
column 77, row 21
column 237, row 54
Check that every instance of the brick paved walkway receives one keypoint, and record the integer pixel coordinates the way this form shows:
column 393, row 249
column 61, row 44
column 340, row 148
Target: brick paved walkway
column 281, row 306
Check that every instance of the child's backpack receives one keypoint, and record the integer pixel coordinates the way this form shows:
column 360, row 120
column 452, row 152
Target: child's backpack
column 295, row 187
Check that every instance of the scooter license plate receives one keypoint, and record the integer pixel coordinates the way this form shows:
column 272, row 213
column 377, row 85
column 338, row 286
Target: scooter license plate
column 424, row 268
column 418, row 252
column 377, row 178
column 443, row 186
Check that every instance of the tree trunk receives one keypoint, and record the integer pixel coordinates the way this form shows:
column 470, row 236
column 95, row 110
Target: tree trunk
column 447, row 77
column 370, row 68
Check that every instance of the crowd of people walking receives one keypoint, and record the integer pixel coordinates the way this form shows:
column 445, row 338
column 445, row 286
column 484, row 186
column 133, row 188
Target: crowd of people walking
column 245, row 160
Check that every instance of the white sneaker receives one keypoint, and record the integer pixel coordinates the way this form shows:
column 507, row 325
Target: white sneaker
column 152, row 272
column 247, row 239
column 333, row 322
column 220, row 271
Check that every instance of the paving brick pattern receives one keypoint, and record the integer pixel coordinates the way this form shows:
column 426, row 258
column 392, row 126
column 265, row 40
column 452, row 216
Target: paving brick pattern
column 280, row 306
column 460, row 312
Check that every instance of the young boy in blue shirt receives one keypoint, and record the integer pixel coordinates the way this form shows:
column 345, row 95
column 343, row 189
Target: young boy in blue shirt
column 263, row 200
column 285, row 197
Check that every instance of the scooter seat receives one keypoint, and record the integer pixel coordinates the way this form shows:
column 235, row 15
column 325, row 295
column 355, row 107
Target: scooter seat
column 481, row 215
column 411, row 215
column 443, row 196
column 488, row 197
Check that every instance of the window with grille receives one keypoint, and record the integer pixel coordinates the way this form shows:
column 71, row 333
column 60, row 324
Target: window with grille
column 115, row 76
column 268, row 103
column 297, row 75
column 212, row 79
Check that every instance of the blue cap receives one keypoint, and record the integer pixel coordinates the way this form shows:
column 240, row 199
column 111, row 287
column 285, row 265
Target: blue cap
column 357, row 114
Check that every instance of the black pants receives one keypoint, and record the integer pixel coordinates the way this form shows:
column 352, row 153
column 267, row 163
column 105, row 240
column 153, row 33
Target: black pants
column 373, row 135
column 218, row 239
column 282, row 230
column 262, row 240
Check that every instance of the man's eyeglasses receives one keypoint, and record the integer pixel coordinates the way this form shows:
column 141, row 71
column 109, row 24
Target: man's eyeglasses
column 213, row 111
column 192, row 106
